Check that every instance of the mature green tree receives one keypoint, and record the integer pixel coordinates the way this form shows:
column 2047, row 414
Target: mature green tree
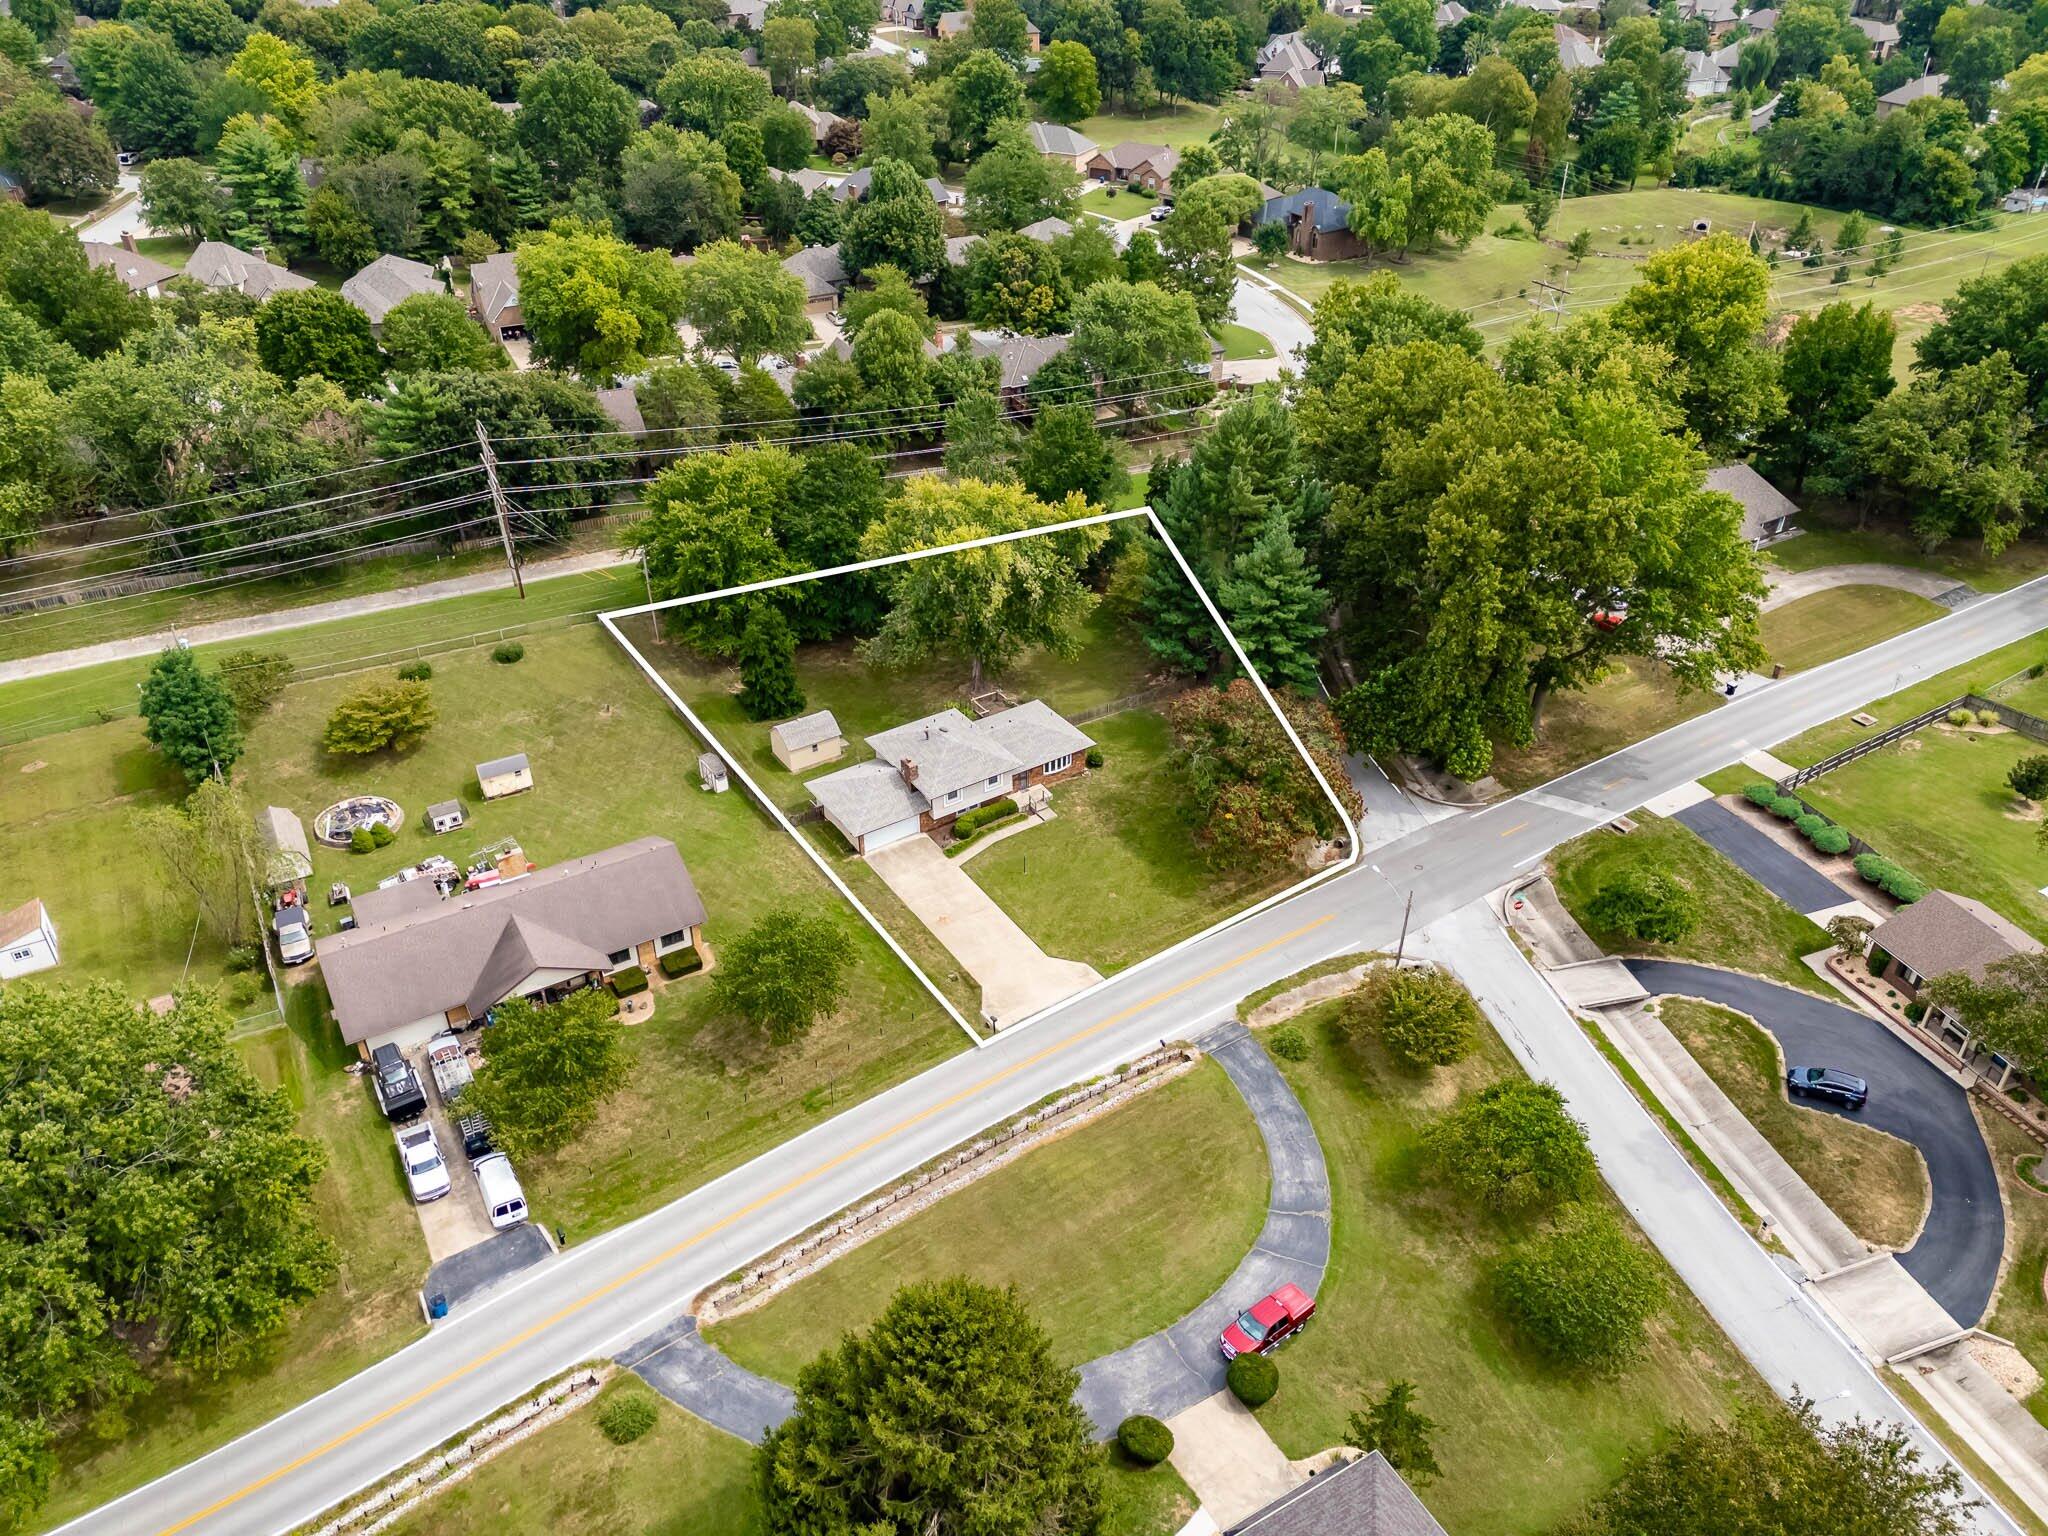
column 1705, row 303
column 677, row 189
column 1837, row 366
column 1015, row 283
column 742, row 301
column 989, row 605
column 1425, row 1018
column 204, row 852
column 2006, row 312
column 266, row 196
column 2007, row 1007
column 1195, row 240
column 831, row 504
column 903, row 127
column 1351, row 318
column 1644, row 904
column 380, row 717
column 154, row 105
column 1955, row 448
column 895, row 223
column 2028, row 778
column 709, row 90
column 1013, row 185
column 1512, row 1147
column 1250, row 797
column 574, row 119
column 550, row 1068
column 710, row 525
column 789, row 51
column 428, row 42
column 1583, row 1293
column 889, row 358
column 163, row 1201
column 1003, row 28
column 189, row 716
column 1758, row 1471
column 886, row 288
column 433, row 333
column 769, row 689
column 182, row 195
column 1397, row 1429
column 677, row 400
column 312, row 331
column 1146, row 345
column 950, row 1413
column 340, row 233
column 594, row 304
column 1275, row 607
column 1066, row 86
column 986, row 94
column 1449, row 163
column 58, row 154
column 1064, row 455
column 255, row 680
column 980, row 441
column 786, row 971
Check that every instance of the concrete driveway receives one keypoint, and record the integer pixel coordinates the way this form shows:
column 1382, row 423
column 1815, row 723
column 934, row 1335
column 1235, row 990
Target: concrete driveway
column 1016, row 977
column 1957, row 1253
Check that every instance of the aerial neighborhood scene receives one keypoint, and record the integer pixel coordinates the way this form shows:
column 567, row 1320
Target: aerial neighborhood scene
column 1024, row 768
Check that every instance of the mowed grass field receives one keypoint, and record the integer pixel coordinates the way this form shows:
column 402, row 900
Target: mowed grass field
column 1177, row 126
column 1874, row 1182
column 1633, row 699
column 1522, row 1445
column 1113, row 1230
column 1822, row 626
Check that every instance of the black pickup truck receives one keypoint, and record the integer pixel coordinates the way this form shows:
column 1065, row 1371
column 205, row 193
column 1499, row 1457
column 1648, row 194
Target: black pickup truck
column 398, row 1087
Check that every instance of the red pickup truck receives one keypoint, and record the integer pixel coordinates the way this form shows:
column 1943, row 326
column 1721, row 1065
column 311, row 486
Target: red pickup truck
column 1268, row 1322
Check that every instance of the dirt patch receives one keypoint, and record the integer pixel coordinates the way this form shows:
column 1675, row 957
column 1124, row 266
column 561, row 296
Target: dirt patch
column 1276, row 1010
column 1929, row 314
column 2025, row 810
column 36, row 765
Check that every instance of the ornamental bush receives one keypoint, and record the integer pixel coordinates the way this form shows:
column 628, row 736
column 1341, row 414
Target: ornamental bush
column 1960, row 717
column 627, row 1416
column 1987, row 717
column 681, row 962
column 1760, row 795
column 970, row 822
column 1288, row 1043
column 1252, row 1379
column 1809, row 825
column 1582, row 1293
column 507, row 652
column 1787, row 808
column 1644, row 904
column 1094, row 757
column 1144, row 1439
column 1831, row 839
column 627, row 980
column 381, row 835
column 360, row 841
column 2029, row 777
column 1890, row 878
column 416, row 671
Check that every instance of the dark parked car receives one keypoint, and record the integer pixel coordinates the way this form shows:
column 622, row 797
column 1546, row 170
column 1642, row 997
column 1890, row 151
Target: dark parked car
column 398, row 1086
column 1841, row 1088
column 1268, row 1322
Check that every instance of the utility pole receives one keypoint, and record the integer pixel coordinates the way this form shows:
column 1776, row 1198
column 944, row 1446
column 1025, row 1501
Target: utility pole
column 1559, row 293
column 1402, row 948
column 499, row 504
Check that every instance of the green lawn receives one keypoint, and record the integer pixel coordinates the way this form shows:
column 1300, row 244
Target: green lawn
column 1111, row 1231
column 1178, row 126
column 611, row 762
column 1874, row 1182
column 1937, row 803
column 1831, row 535
column 2019, row 1311
column 1741, row 925
column 1117, row 202
column 1115, row 876
column 1635, row 698
column 1822, row 626
column 1522, row 1445
column 372, row 1308
column 40, row 706
column 1241, row 343
column 685, row 1478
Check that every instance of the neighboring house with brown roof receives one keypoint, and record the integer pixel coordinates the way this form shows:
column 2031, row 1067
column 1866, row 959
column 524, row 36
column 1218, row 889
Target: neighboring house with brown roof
column 1767, row 512
column 216, row 264
column 622, row 404
column 138, row 273
column 1047, row 230
column 418, row 962
column 1149, row 166
column 1943, row 932
column 1364, row 1497
column 805, row 179
column 1910, row 92
column 388, row 282
column 823, row 275
column 494, row 297
column 28, row 940
column 1287, row 57
column 1018, row 357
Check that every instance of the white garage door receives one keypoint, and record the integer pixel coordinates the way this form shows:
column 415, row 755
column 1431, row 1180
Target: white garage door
column 895, row 832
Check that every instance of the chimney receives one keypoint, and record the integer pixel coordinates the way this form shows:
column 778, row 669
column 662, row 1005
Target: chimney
column 907, row 766
column 128, row 240
column 259, row 253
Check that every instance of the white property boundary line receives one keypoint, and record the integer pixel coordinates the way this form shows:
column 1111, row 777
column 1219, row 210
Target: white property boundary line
column 704, row 734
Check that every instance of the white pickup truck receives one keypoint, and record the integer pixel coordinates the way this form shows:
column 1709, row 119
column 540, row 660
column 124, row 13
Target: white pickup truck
column 425, row 1170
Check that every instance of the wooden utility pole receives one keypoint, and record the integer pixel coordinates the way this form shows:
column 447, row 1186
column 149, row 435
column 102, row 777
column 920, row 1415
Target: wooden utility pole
column 500, row 506
column 1401, row 948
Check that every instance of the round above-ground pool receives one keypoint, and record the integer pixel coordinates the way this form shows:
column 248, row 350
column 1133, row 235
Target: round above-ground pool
column 335, row 825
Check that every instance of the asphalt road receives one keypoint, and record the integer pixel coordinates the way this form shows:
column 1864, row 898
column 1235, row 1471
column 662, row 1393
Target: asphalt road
column 1957, row 1253
column 618, row 1287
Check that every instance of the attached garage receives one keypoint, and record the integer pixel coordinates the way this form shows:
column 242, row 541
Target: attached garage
column 870, row 804
column 882, row 837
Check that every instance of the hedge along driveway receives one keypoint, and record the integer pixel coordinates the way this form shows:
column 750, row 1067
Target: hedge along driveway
column 1772, row 865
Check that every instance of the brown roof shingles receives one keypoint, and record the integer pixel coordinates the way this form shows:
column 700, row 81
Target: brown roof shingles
column 1944, row 932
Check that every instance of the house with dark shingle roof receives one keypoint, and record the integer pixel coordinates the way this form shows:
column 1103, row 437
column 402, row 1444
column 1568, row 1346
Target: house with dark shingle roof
column 216, row 264
column 1940, row 933
column 387, row 283
column 1910, row 92
column 1767, row 512
column 418, row 962
column 138, row 273
column 1317, row 221
column 1365, row 1497
column 1149, row 166
column 823, row 275
column 494, row 296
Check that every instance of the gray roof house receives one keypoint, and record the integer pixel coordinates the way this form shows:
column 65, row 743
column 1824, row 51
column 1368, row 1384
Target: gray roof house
column 1575, row 50
column 805, row 179
column 418, row 961
column 220, row 265
column 1060, row 141
column 1946, row 932
column 1019, row 357
column 1910, row 92
column 1449, row 14
column 927, row 772
column 388, row 282
column 1045, row 231
column 1365, row 1497
column 494, row 294
column 1767, row 512
column 855, row 186
column 138, row 273
column 820, row 270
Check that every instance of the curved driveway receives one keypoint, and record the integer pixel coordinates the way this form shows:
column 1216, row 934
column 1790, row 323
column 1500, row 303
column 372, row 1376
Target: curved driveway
column 1164, row 1372
column 1956, row 1255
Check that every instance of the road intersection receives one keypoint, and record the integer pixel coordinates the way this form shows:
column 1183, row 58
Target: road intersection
column 616, row 1288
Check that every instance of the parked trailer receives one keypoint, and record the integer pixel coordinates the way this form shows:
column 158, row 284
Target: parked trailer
column 449, row 1062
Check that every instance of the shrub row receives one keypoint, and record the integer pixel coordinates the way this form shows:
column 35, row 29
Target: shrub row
column 681, row 962
column 369, row 839
column 627, row 980
column 1968, row 717
column 961, row 840
column 970, row 822
column 416, row 671
column 1889, row 877
column 1825, row 836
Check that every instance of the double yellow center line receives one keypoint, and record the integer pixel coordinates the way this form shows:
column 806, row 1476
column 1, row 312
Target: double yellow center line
column 704, row 1234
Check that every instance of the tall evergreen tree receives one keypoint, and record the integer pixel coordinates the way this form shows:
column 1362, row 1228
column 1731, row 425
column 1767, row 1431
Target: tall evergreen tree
column 190, row 715
column 768, row 686
column 1275, row 607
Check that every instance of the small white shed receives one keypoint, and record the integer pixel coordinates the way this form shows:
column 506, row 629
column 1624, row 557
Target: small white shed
column 28, row 940
column 806, row 741
column 711, row 773
column 445, row 815
column 503, row 776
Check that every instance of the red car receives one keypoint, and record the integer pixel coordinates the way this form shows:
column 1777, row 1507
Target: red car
column 1268, row 1322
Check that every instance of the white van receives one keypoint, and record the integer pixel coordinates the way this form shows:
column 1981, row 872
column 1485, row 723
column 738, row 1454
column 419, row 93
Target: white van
column 503, row 1198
